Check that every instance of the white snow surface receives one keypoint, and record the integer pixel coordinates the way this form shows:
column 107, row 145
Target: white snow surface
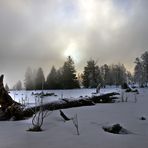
column 26, row 97
column 59, row 134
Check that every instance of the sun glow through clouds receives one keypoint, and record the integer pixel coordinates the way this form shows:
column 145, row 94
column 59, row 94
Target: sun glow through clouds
column 72, row 50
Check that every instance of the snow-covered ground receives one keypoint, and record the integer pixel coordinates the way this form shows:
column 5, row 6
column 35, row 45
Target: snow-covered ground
column 60, row 134
column 29, row 99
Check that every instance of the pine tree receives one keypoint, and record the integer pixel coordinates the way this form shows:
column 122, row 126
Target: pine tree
column 113, row 74
column 69, row 79
column 91, row 75
column 29, row 79
column 106, row 74
column 39, row 80
column 59, row 78
column 122, row 74
column 34, row 74
column 144, row 58
column 139, row 72
column 18, row 85
column 118, row 74
column 52, row 79
column 99, row 79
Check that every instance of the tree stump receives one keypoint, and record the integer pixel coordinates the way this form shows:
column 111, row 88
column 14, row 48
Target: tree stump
column 8, row 107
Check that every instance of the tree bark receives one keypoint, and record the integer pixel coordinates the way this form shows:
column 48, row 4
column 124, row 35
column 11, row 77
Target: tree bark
column 8, row 107
column 5, row 98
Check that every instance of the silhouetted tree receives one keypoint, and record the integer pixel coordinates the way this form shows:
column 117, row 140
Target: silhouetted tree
column 18, row 85
column 141, row 69
column 113, row 74
column 69, row 79
column 40, row 79
column 139, row 75
column 106, row 75
column 59, row 78
column 34, row 75
column 119, row 73
column 29, row 84
column 144, row 58
column 91, row 75
column 52, row 79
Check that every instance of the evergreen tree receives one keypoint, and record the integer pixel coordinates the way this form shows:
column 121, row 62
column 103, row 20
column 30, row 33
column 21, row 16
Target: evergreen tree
column 34, row 74
column 99, row 78
column 139, row 72
column 91, row 75
column 113, row 74
column 18, row 85
column 69, row 79
column 144, row 58
column 106, row 75
column 29, row 79
column 52, row 79
column 40, row 79
column 119, row 74
column 59, row 78
column 122, row 74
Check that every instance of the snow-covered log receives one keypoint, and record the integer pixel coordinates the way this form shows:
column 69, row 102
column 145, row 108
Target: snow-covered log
column 69, row 103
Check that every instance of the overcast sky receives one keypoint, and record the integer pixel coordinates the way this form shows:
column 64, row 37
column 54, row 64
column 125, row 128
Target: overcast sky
column 44, row 32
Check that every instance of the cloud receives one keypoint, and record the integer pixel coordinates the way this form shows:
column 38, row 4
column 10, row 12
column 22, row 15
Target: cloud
column 39, row 33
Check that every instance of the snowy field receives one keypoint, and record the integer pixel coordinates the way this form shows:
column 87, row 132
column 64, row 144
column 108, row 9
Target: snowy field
column 28, row 99
column 60, row 134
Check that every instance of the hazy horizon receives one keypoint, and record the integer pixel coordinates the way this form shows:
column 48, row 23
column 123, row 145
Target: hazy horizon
column 39, row 33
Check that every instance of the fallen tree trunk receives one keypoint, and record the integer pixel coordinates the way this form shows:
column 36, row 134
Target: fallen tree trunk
column 68, row 103
column 105, row 98
column 61, row 104
column 15, row 111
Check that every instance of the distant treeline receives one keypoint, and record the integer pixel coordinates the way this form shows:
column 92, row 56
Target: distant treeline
column 66, row 77
column 63, row 78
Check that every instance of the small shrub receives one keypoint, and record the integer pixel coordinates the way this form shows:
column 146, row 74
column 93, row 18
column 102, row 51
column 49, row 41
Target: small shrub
column 142, row 118
column 35, row 129
column 115, row 129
